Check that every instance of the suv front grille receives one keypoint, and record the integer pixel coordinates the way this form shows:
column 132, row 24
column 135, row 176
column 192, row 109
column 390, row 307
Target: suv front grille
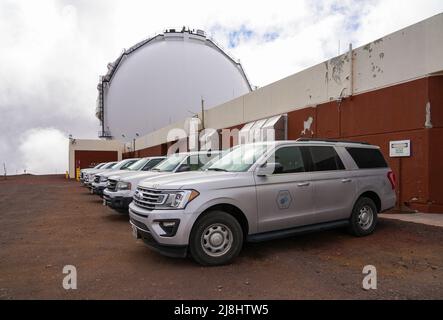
column 112, row 185
column 148, row 198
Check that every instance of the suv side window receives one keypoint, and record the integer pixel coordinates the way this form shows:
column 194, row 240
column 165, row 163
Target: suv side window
column 289, row 160
column 367, row 158
column 325, row 159
column 192, row 163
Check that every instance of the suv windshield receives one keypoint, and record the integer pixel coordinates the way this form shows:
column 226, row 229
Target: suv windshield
column 123, row 164
column 170, row 163
column 108, row 165
column 215, row 158
column 137, row 165
column 240, row 159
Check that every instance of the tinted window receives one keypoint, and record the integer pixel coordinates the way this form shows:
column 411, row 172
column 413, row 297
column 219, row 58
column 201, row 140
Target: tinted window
column 288, row 160
column 127, row 164
column 152, row 163
column 325, row 159
column 109, row 165
column 367, row 158
column 193, row 162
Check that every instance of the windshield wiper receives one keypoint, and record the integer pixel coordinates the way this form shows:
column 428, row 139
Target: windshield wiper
column 218, row 169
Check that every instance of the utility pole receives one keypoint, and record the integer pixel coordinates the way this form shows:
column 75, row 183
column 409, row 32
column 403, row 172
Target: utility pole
column 4, row 168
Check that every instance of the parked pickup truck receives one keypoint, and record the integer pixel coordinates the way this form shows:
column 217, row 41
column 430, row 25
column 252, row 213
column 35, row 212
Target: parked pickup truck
column 100, row 179
column 263, row 191
column 89, row 176
column 120, row 190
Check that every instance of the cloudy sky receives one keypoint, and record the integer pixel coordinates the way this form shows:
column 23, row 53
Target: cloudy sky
column 52, row 53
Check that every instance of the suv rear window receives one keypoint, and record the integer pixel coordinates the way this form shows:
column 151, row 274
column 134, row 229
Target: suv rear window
column 367, row 158
column 325, row 159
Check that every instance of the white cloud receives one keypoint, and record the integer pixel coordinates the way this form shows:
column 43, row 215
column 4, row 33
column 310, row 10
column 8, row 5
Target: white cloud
column 44, row 151
column 52, row 51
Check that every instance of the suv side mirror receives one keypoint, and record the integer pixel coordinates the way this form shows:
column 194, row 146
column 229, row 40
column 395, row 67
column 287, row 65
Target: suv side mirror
column 183, row 168
column 269, row 168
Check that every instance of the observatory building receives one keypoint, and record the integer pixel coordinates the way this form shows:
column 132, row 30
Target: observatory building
column 165, row 79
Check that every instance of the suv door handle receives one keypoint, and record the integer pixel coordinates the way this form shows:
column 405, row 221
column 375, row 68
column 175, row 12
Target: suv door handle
column 303, row 184
column 346, row 180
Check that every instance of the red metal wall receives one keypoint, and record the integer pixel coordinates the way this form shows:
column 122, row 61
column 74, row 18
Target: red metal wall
column 87, row 159
column 392, row 113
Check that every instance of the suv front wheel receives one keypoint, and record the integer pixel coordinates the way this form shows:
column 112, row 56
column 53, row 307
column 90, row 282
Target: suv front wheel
column 364, row 217
column 216, row 239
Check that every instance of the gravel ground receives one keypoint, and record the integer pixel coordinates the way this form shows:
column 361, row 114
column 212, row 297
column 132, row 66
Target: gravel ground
column 47, row 222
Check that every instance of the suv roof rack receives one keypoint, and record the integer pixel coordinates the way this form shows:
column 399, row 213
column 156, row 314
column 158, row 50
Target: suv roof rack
column 331, row 140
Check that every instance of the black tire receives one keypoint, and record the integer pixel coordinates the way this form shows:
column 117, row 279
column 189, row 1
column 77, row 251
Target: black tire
column 357, row 227
column 216, row 224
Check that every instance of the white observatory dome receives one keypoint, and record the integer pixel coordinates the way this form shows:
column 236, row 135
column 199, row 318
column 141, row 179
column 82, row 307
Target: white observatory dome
column 162, row 80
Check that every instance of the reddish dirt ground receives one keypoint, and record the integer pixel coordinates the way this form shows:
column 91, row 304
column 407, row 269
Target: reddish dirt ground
column 47, row 222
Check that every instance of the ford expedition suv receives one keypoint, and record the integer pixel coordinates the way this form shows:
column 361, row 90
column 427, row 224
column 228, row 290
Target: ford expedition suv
column 83, row 172
column 120, row 190
column 89, row 176
column 101, row 179
column 263, row 191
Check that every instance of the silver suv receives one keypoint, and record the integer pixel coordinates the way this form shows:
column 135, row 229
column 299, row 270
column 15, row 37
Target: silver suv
column 120, row 190
column 263, row 191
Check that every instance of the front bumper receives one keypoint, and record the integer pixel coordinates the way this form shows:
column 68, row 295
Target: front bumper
column 97, row 188
column 141, row 231
column 150, row 221
column 118, row 202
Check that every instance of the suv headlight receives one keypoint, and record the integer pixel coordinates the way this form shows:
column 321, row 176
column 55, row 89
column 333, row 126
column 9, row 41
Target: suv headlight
column 171, row 199
column 178, row 199
column 123, row 185
column 103, row 179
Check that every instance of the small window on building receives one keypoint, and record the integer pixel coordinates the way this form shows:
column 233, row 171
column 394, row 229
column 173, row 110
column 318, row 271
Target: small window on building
column 367, row 158
column 325, row 159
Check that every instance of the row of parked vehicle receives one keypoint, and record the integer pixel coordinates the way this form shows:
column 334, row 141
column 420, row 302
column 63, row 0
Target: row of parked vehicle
column 206, row 204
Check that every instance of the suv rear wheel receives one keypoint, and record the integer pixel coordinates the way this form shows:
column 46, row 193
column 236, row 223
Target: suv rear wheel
column 216, row 239
column 364, row 217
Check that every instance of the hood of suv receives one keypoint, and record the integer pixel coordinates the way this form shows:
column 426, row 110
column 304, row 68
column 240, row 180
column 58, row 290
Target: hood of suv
column 200, row 180
column 108, row 174
column 137, row 176
column 97, row 171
